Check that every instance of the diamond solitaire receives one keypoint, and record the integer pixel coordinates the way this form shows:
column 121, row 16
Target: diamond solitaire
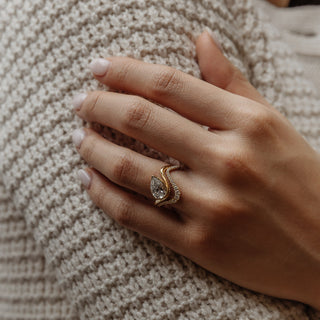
column 158, row 188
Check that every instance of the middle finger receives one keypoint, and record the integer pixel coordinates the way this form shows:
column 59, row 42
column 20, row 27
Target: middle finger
column 155, row 126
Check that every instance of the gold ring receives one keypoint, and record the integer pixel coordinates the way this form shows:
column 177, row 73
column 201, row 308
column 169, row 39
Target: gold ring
column 164, row 190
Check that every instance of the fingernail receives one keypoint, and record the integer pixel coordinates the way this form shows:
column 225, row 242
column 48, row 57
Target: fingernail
column 78, row 136
column 99, row 66
column 213, row 37
column 78, row 100
column 84, row 177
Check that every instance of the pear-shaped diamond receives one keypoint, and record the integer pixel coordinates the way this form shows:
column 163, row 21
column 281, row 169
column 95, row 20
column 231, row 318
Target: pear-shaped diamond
column 158, row 188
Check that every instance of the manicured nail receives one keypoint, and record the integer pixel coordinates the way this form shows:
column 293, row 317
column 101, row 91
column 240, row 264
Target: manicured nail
column 84, row 177
column 99, row 66
column 78, row 100
column 78, row 136
column 214, row 37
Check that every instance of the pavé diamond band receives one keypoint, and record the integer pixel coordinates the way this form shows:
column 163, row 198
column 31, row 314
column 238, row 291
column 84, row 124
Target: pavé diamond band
column 164, row 190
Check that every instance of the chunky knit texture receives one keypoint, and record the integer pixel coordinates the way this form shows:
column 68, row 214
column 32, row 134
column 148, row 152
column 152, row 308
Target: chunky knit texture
column 63, row 258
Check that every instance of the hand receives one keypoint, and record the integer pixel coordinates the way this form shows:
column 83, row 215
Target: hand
column 249, row 207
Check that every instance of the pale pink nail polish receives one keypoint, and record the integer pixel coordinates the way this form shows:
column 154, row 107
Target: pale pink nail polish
column 214, row 37
column 78, row 136
column 99, row 66
column 78, row 101
column 84, row 177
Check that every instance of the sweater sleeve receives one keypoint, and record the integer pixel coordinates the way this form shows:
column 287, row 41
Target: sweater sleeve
column 103, row 270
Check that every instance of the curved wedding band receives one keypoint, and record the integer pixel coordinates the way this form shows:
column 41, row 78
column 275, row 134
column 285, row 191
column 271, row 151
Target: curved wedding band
column 164, row 190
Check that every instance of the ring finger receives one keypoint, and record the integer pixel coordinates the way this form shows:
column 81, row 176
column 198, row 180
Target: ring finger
column 123, row 166
column 133, row 213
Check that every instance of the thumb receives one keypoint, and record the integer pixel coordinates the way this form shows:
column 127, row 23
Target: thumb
column 219, row 71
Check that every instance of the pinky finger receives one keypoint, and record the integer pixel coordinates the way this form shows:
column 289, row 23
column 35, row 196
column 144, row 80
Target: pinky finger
column 134, row 212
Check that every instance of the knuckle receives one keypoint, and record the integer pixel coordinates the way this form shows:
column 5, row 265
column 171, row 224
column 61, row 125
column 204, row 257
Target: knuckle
column 124, row 212
column 166, row 81
column 94, row 101
column 236, row 163
column 100, row 198
column 88, row 148
column 124, row 171
column 138, row 114
column 260, row 123
column 226, row 208
column 123, row 70
column 230, row 213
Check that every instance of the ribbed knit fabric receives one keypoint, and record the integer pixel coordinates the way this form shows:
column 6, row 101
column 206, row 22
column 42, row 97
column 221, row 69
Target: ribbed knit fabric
column 62, row 257
column 28, row 287
column 300, row 29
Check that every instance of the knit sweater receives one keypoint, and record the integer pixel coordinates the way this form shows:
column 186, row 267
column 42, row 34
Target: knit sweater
column 61, row 257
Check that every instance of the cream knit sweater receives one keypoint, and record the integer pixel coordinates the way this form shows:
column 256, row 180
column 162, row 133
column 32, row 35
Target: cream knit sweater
column 60, row 256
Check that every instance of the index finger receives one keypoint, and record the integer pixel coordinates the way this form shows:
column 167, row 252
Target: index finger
column 191, row 97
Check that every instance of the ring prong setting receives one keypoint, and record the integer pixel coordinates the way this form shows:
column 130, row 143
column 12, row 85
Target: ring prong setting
column 158, row 188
